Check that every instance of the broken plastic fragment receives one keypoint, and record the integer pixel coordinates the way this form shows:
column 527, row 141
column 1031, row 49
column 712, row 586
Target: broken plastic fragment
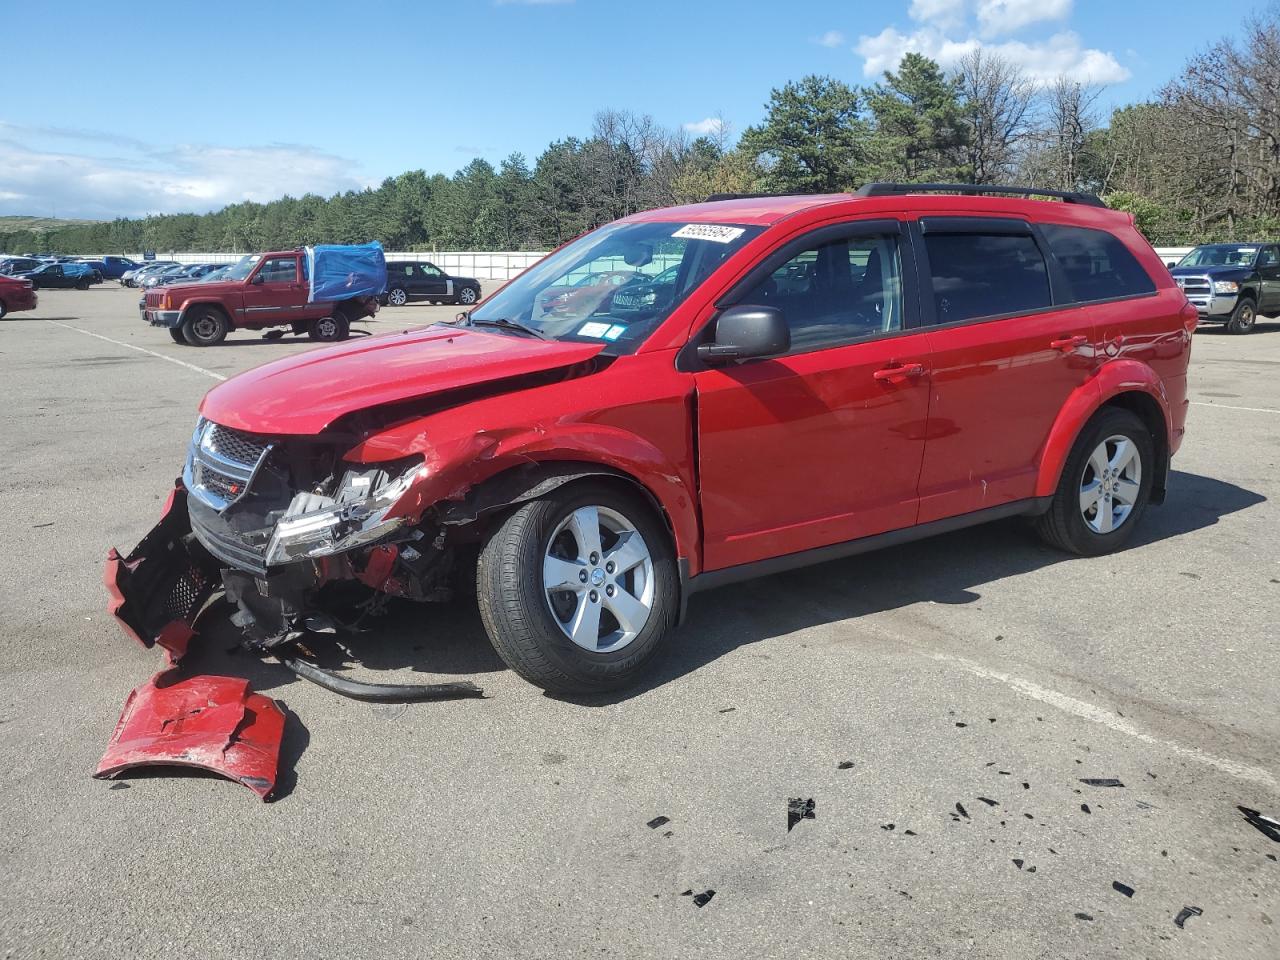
column 989, row 803
column 1185, row 914
column 1083, row 916
column 656, row 822
column 886, row 826
column 1269, row 826
column 702, row 899
column 844, row 765
column 799, row 809
column 1124, row 888
column 1017, row 863
column 1085, row 808
column 962, row 811
column 1101, row 782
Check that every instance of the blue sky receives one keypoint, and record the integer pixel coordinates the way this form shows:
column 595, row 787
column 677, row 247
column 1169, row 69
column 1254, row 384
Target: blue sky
column 120, row 110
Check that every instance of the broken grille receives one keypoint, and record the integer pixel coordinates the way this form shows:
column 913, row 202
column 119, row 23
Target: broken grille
column 243, row 448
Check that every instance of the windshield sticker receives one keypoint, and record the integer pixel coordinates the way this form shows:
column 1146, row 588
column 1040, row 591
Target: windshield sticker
column 593, row 329
column 614, row 332
column 710, row 231
column 1246, row 249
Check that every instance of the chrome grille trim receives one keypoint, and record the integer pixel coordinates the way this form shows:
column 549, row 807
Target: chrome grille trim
column 221, row 464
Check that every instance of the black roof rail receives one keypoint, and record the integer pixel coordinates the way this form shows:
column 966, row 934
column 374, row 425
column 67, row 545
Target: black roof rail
column 717, row 197
column 974, row 189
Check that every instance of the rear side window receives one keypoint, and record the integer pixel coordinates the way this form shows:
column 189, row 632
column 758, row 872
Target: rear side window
column 1097, row 265
column 986, row 275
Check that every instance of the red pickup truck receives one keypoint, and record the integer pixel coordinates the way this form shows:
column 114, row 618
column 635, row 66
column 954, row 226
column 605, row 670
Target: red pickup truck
column 261, row 291
column 15, row 295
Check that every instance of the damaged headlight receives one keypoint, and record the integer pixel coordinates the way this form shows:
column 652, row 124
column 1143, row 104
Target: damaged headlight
column 320, row 526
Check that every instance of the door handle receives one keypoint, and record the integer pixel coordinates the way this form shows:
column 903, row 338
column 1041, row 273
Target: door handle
column 897, row 374
column 1067, row 344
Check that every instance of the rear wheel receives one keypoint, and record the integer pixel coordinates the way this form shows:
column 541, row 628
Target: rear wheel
column 577, row 590
column 396, row 297
column 468, row 295
column 1243, row 317
column 205, row 327
column 1105, row 486
column 329, row 329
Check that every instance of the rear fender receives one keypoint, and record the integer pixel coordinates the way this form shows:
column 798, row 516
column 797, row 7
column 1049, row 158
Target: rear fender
column 158, row 590
column 1113, row 379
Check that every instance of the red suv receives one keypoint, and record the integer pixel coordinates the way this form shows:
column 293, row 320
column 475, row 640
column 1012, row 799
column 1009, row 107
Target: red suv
column 825, row 375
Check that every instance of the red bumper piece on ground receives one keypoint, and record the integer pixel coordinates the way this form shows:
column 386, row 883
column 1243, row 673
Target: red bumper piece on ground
column 213, row 723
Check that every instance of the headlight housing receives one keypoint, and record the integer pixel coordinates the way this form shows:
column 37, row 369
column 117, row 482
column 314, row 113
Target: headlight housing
column 318, row 526
column 1226, row 286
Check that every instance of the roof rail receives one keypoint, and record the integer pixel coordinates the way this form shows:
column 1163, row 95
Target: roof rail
column 974, row 189
column 716, row 197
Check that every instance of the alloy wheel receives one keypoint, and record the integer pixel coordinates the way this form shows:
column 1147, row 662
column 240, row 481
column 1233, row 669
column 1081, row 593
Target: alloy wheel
column 467, row 295
column 204, row 327
column 326, row 327
column 1110, row 484
column 397, row 298
column 597, row 575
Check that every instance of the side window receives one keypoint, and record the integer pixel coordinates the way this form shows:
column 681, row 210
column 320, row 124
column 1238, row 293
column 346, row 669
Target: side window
column 431, row 270
column 1269, row 257
column 1097, row 265
column 838, row 292
column 280, row 270
column 985, row 275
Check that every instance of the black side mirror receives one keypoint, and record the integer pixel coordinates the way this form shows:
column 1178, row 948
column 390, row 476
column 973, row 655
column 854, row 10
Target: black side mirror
column 747, row 331
column 1170, row 264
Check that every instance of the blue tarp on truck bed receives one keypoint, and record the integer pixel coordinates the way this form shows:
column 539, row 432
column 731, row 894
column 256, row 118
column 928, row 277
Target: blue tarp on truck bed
column 339, row 272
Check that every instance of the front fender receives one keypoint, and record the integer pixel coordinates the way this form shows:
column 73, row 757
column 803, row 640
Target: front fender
column 1114, row 378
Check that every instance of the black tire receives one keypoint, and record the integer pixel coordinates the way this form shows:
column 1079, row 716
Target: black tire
column 397, row 297
column 1064, row 525
column 3, row 309
column 82, row 284
column 1244, row 317
column 175, row 334
column 330, row 329
column 516, row 611
column 468, row 295
column 205, row 327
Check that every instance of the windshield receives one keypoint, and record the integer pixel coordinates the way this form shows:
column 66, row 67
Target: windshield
column 1221, row 255
column 242, row 268
column 615, row 284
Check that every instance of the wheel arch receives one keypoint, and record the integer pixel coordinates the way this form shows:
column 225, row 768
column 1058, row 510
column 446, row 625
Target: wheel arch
column 189, row 305
column 1128, row 385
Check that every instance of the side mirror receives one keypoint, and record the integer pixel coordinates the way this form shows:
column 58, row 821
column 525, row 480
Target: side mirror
column 257, row 279
column 1170, row 264
column 747, row 331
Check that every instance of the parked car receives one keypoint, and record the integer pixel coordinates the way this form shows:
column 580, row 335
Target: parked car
column 261, row 291
column 586, row 295
column 65, row 275
column 168, row 275
column 1231, row 283
column 16, row 295
column 96, row 266
column 113, row 268
column 426, row 281
column 134, row 278
column 951, row 360
column 12, row 266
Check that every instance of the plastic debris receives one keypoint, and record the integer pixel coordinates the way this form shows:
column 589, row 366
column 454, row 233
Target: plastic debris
column 908, row 833
column 887, row 826
column 962, row 811
column 1185, row 914
column 1083, row 916
column 844, row 765
column 1269, row 826
column 1124, row 888
column 959, row 724
column 1017, row 863
column 702, row 899
column 799, row 809
column 989, row 803
column 1085, row 808
column 727, row 710
column 656, row 822
column 1101, row 782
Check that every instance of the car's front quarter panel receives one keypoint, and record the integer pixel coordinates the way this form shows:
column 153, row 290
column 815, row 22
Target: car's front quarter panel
column 633, row 418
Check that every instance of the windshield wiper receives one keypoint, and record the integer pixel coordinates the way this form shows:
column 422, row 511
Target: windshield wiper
column 507, row 324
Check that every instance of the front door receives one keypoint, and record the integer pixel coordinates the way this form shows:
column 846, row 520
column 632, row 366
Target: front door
column 823, row 444
column 1005, row 359
column 274, row 294
column 430, row 282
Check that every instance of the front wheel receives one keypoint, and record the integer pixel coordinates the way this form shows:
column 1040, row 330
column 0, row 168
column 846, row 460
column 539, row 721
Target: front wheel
column 1243, row 317
column 329, row 329
column 82, row 284
column 175, row 334
column 3, row 309
column 1105, row 486
column 577, row 590
column 205, row 327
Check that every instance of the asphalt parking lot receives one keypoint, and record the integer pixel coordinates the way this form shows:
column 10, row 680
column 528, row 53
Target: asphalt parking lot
column 942, row 704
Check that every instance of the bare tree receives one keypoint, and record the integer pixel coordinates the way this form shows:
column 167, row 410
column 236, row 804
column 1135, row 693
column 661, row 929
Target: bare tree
column 1058, row 145
column 998, row 102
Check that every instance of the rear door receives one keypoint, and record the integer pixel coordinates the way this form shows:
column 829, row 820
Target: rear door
column 275, row 293
column 823, row 444
column 1008, row 349
column 1269, row 272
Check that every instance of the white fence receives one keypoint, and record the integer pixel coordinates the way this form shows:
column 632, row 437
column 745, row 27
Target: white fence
column 500, row 266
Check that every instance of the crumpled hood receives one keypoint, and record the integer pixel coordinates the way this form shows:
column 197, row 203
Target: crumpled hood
column 1217, row 273
column 307, row 392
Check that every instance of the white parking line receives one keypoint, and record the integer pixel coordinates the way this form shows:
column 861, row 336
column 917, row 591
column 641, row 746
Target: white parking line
column 1227, row 406
column 130, row 346
column 1088, row 711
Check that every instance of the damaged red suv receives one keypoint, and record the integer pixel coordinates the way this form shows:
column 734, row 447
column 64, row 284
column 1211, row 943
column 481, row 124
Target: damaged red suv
column 794, row 378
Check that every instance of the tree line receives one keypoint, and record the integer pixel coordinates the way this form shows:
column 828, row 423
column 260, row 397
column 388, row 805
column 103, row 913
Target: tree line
column 1198, row 161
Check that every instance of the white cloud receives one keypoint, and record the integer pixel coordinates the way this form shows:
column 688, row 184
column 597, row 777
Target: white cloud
column 1043, row 61
column 708, row 127
column 1005, row 16
column 940, row 13
column 142, row 179
column 832, row 38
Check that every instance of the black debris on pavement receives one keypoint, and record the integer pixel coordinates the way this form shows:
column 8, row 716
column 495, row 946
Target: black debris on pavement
column 1031, row 869
column 844, row 765
column 1101, row 782
column 989, row 803
column 1185, row 914
column 1028, row 816
column 687, row 893
column 656, row 822
column 702, row 899
column 37, row 526
column 799, row 809
column 1269, row 826
column 1085, row 808
column 991, row 719
column 1025, row 785
column 727, row 710
column 908, row 833
column 1018, row 863
column 119, row 785
column 962, row 811
column 959, row 724
column 1005, row 773
column 1083, row 916
column 887, row 826
column 1124, row 888
column 1143, row 805
column 668, row 833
